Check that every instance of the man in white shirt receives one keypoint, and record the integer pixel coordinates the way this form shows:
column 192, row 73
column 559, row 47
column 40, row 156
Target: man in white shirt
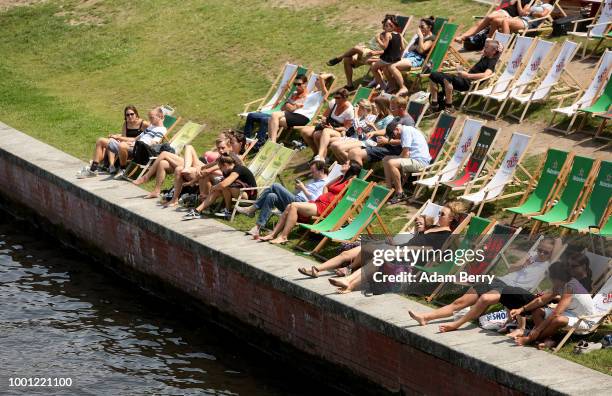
column 413, row 158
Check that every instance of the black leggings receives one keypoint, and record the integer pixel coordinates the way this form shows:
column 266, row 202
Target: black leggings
column 458, row 83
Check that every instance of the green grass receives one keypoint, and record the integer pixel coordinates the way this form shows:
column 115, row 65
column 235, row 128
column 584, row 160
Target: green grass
column 69, row 67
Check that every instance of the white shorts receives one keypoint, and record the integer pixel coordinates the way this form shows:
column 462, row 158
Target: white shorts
column 113, row 146
column 572, row 319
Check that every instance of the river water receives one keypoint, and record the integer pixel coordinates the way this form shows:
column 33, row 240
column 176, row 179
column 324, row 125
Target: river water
column 62, row 317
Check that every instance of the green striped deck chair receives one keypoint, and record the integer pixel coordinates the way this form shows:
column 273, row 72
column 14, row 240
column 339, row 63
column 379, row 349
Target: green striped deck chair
column 354, row 194
column 551, row 173
column 170, row 121
column 361, row 93
column 280, row 158
column 598, row 202
column 370, row 210
column 478, row 226
column 437, row 54
column 573, row 186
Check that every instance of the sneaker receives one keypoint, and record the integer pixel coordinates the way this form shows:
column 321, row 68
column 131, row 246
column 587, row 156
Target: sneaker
column 86, row 173
column 225, row 213
column 397, row 198
column 120, row 174
column 247, row 211
column 192, row 215
column 112, row 170
column 316, row 158
column 334, row 61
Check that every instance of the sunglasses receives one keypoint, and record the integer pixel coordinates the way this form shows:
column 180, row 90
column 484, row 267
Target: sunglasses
column 298, row 84
column 130, row 114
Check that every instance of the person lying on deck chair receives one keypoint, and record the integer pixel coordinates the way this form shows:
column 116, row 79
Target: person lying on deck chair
column 509, row 290
column 573, row 301
column 305, row 211
column 431, row 238
column 350, row 259
column 414, row 56
column 461, row 81
column 413, row 157
column 363, row 128
column 235, row 177
column 494, row 20
column 203, row 171
column 295, row 116
column 277, row 196
column 361, row 54
column 527, row 18
column 133, row 126
column 335, row 122
column 293, row 103
column 385, row 143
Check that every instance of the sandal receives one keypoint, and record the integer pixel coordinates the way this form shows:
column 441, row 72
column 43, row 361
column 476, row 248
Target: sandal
column 313, row 272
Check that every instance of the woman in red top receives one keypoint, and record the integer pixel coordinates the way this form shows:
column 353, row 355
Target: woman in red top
column 306, row 210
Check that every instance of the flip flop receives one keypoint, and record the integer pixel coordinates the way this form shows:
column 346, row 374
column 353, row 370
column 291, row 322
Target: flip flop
column 313, row 273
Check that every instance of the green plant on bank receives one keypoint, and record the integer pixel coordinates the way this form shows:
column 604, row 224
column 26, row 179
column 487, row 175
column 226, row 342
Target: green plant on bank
column 69, row 67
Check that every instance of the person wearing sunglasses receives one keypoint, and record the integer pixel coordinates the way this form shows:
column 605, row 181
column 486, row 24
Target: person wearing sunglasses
column 294, row 102
column 133, row 125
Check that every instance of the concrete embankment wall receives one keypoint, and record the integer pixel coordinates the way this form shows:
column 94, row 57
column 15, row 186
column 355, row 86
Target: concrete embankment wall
column 258, row 285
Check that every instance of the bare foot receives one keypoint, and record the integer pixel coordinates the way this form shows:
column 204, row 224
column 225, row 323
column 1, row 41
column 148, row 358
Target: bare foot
column 279, row 241
column 403, row 91
column 419, row 318
column 268, row 237
column 548, row 343
column 170, row 204
column 343, row 290
column 254, row 232
column 516, row 333
column 344, row 271
column 522, row 340
column 445, row 328
column 459, row 39
column 139, row 181
column 152, row 195
column 341, row 283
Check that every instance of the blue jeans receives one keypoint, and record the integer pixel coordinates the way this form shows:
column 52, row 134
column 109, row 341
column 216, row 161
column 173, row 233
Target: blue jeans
column 276, row 196
column 262, row 119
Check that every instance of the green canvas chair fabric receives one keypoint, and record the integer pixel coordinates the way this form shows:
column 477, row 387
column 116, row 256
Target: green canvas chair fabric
column 575, row 183
column 598, row 201
column 603, row 103
column 378, row 196
column 444, row 41
column 169, row 121
column 263, row 157
column 185, row 135
column 477, row 227
column 438, row 23
column 606, row 230
column 477, row 159
column 555, row 159
column 353, row 192
column 363, row 173
column 362, row 93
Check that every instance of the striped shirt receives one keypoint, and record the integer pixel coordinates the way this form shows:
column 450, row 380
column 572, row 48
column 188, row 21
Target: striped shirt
column 152, row 135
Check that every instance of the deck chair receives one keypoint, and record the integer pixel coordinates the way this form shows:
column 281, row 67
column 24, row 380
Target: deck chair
column 337, row 214
column 440, row 141
column 601, row 268
column 368, row 213
column 587, row 96
column 263, row 156
column 521, row 49
column 599, row 195
column 604, row 228
column 494, row 245
column 548, row 85
column 170, row 121
column 282, row 84
column 402, row 21
column 438, row 174
column 436, row 55
column 279, row 160
column 495, row 6
column 601, row 105
column 596, row 30
column 134, row 170
column 552, row 171
column 599, row 133
column 563, row 204
column 477, row 161
column 477, row 228
column 427, row 209
column 545, row 22
column 603, row 306
column 417, row 111
column 537, row 58
column 361, row 93
column 504, row 176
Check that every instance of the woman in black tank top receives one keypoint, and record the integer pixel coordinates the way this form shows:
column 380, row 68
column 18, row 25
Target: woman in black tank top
column 133, row 125
column 393, row 45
